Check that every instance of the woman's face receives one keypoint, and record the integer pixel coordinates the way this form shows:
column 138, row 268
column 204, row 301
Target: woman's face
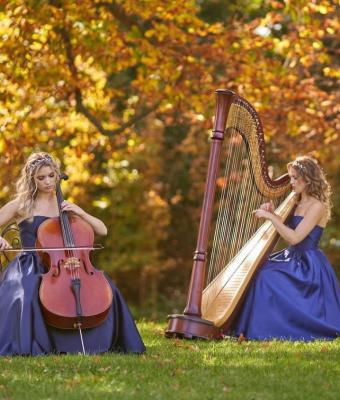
column 298, row 184
column 45, row 179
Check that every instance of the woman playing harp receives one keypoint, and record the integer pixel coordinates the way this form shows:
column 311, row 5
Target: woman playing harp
column 23, row 330
column 226, row 261
column 296, row 295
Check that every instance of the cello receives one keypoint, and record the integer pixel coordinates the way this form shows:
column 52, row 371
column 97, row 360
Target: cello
column 73, row 294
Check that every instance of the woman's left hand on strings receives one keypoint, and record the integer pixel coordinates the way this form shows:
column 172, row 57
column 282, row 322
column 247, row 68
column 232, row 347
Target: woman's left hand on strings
column 260, row 213
column 72, row 208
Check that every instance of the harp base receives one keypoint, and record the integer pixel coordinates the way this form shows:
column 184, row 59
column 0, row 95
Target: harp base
column 191, row 327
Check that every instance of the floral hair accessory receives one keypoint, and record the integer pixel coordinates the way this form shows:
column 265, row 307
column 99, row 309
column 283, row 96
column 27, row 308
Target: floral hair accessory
column 45, row 158
column 298, row 165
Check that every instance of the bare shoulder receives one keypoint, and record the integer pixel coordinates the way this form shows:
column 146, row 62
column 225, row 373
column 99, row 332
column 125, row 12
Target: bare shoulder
column 317, row 205
column 12, row 205
column 9, row 211
column 317, row 210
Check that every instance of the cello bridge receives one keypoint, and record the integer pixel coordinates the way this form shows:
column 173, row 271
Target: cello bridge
column 72, row 262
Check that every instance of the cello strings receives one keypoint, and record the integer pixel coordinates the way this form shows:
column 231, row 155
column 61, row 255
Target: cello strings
column 72, row 263
column 65, row 235
column 74, row 268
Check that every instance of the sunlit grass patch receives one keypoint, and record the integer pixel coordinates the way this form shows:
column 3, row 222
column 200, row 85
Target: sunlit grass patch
column 180, row 369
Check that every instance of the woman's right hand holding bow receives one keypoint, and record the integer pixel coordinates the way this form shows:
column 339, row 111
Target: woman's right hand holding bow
column 4, row 244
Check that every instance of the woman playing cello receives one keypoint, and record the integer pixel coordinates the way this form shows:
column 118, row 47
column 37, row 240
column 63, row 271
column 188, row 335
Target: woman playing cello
column 23, row 330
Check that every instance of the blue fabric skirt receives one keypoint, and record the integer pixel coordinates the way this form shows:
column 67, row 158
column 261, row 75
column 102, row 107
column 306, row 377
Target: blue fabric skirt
column 295, row 296
column 24, row 332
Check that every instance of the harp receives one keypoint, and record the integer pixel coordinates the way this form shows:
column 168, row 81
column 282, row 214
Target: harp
column 240, row 242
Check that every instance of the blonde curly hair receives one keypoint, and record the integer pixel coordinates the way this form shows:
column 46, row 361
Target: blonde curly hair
column 26, row 185
column 316, row 184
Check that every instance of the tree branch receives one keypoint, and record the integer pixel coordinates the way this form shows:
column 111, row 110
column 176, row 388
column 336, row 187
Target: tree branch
column 126, row 20
column 82, row 109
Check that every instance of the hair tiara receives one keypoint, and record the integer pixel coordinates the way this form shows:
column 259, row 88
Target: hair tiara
column 299, row 165
column 45, row 158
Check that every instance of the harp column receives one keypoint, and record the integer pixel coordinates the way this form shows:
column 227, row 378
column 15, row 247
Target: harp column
column 190, row 323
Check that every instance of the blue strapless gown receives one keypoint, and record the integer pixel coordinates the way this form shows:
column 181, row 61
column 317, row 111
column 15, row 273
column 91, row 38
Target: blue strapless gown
column 294, row 296
column 22, row 328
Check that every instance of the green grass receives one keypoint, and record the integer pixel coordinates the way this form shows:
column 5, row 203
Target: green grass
column 178, row 369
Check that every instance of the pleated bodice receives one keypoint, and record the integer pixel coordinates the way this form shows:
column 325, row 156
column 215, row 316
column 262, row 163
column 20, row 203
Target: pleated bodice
column 29, row 228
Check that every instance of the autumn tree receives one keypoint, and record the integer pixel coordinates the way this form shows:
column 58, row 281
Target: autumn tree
column 122, row 93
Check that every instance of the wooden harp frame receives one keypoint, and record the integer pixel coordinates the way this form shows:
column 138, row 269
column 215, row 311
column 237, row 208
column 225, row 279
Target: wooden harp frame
column 191, row 324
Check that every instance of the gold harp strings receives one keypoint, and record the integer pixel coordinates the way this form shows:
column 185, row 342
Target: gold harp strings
column 236, row 228
column 230, row 205
column 223, row 303
column 235, row 223
column 237, row 232
column 228, row 199
column 247, row 125
column 228, row 195
column 221, row 217
column 234, row 181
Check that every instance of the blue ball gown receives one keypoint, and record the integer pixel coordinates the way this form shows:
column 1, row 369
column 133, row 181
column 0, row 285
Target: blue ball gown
column 22, row 327
column 294, row 296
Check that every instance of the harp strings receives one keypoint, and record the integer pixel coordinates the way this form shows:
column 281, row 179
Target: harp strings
column 228, row 201
column 235, row 223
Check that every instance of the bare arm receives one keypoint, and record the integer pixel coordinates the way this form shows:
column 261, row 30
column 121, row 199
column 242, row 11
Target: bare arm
column 7, row 213
column 97, row 225
column 294, row 236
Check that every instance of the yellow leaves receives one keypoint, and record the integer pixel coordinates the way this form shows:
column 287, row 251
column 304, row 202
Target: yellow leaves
column 9, row 33
column 216, row 28
column 199, row 117
column 334, row 137
column 102, row 203
column 128, row 113
column 304, row 128
column 321, row 9
column 96, row 74
column 98, row 180
column 282, row 45
column 3, row 58
column 317, row 45
column 331, row 72
column 155, row 200
column 40, row 37
column 132, row 100
column 36, row 46
column 306, row 60
column 149, row 33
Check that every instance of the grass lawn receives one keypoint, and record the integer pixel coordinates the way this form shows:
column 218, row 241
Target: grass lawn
column 177, row 369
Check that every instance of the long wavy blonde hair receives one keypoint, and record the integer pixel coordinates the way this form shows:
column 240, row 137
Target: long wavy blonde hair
column 26, row 185
column 316, row 184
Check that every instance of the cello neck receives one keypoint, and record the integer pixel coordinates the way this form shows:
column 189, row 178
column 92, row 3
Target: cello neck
column 64, row 219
